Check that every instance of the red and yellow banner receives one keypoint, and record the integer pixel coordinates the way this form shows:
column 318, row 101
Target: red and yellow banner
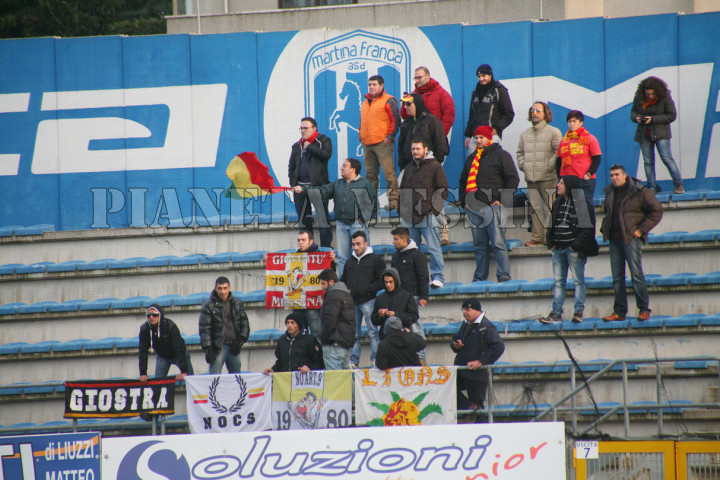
column 291, row 279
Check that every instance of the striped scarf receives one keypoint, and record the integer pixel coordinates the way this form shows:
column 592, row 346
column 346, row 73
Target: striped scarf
column 583, row 138
column 472, row 176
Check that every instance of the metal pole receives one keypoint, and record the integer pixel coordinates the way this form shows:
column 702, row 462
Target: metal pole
column 658, row 385
column 573, row 418
column 626, row 415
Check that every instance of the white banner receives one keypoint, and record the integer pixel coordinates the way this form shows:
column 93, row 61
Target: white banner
column 317, row 399
column 509, row 451
column 229, row 403
column 406, row 396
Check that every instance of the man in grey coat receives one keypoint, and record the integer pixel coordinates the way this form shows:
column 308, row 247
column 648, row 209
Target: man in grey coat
column 536, row 154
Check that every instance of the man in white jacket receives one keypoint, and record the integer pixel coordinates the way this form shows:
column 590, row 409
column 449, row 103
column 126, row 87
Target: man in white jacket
column 536, row 154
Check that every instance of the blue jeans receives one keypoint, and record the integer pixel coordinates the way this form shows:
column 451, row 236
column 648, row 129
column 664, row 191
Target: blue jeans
column 486, row 230
column 343, row 235
column 336, row 357
column 428, row 228
column 364, row 310
column 305, row 218
column 632, row 254
column 162, row 365
column 232, row 362
column 663, row 147
column 312, row 321
column 562, row 259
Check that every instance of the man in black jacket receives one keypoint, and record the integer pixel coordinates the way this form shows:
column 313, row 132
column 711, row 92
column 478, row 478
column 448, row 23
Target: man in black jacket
column 224, row 328
column 420, row 123
column 399, row 346
column 571, row 237
column 487, row 185
column 296, row 350
column 338, row 321
column 394, row 302
column 490, row 105
column 413, row 275
column 309, row 166
column 166, row 341
column 363, row 276
column 477, row 343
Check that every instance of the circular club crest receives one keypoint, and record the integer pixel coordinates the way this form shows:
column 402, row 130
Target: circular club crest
column 323, row 74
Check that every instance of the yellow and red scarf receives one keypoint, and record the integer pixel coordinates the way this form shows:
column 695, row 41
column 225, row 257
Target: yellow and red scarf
column 583, row 138
column 472, row 176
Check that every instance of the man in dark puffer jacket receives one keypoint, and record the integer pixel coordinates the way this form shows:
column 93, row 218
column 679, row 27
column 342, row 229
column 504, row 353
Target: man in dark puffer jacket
column 296, row 350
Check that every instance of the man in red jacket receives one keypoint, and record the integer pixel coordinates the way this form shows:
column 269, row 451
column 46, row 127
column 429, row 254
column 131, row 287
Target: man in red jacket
column 437, row 100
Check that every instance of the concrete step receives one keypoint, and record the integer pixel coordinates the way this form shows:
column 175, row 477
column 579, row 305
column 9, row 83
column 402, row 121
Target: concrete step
column 92, row 245
column 527, row 263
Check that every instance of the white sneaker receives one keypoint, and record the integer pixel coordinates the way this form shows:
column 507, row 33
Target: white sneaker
column 436, row 283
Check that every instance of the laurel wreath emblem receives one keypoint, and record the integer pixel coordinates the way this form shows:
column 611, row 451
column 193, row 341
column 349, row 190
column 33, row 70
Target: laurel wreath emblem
column 220, row 408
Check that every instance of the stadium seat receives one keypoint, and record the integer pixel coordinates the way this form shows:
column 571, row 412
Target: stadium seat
column 193, row 259
column 39, row 347
column 132, row 302
column 37, row 307
column 255, row 296
column 511, row 286
column 131, row 342
column 447, row 289
column 162, row 300
column 476, row 288
column 12, row 348
column 705, row 279
column 68, row 306
column 131, row 262
column 75, row 345
column 69, row 266
column 541, row 285
column 674, row 280
column 99, row 304
column 101, row 264
column 667, row 237
column 192, row 299
column 10, row 308
column 102, row 344
column 702, row 236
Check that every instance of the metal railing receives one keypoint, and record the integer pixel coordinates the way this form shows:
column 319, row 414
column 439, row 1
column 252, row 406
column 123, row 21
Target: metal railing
column 605, row 413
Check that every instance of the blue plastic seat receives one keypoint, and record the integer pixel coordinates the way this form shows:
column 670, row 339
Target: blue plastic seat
column 192, row 299
column 39, row 347
column 705, row 279
column 162, row 300
column 528, row 367
column 101, row 264
column 691, row 364
column 10, row 268
column 675, row 406
column 35, row 229
column 102, row 344
column 68, row 306
column 448, row 289
column 265, row 335
column 255, row 296
column 687, row 320
column 676, row 279
column 712, row 195
column 8, row 230
column 12, row 348
column 541, row 285
column 663, row 197
column 161, row 261
column 602, row 408
column 511, row 286
column 131, row 262
column 538, row 326
column 383, row 249
column 131, row 342
column 193, row 259
column 667, row 237
column 504, row 410
column 530, row 410
column 10, row 308
column 702, row 236
column 652, row 322
column 428, row 326
column 604, row 282
column 37, row 307
column 447, row 329
column 249, row 257
column 474, row 287
column 688, row 196
column 69, row 266
column 132, row 302
column 75, row 345
column 520, row 326
column 99, row 304
column 14, row 388
column 193, row 339
column 710, row 320
column 588, row 323
column 466, row 247
column 513, row 243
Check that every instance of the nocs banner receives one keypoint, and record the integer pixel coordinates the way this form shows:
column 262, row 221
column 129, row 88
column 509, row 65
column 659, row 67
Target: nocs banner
column 51, row 457
column 510, row 451
column 145, row 131
column 119, row 398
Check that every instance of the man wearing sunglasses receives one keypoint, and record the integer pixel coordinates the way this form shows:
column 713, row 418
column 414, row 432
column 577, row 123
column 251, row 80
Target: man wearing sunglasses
column 166, row 341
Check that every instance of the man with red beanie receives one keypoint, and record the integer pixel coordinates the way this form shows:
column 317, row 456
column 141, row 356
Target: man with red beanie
column 487, row 183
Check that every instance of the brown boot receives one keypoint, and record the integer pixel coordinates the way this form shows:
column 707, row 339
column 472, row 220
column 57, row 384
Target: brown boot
column 444, row 235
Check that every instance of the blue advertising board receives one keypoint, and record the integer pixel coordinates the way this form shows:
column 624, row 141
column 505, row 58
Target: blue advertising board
column 139, row 131
column 51, row 457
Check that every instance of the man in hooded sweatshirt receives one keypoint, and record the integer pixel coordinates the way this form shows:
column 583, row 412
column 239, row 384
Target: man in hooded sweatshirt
column 399, row 346
column 490, row 105
column 571, row 238
column 164, row 336
column 413, row 274
column 420, row 123
column 296, row 350
column 363, row 276
column 338, row 321
column 394, row 302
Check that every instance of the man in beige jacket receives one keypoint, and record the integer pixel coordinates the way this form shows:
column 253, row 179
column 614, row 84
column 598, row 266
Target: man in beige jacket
column 536, row 154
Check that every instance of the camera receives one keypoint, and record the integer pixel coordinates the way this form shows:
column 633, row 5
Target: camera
column 642, row 120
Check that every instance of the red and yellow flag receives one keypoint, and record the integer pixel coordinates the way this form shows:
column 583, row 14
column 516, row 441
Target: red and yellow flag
column 250, row 177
